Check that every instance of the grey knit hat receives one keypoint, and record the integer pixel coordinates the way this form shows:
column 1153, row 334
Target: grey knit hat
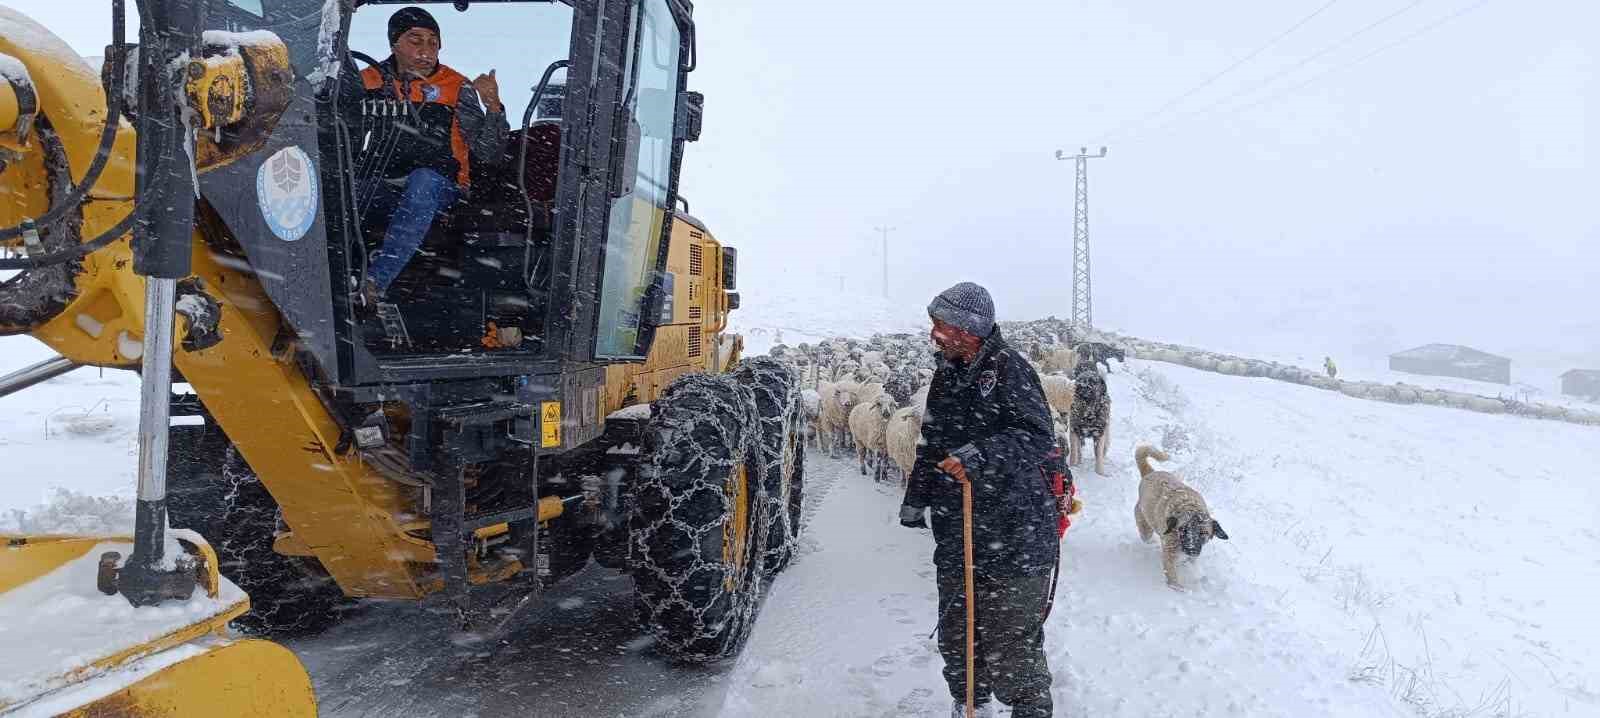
column 966, row 306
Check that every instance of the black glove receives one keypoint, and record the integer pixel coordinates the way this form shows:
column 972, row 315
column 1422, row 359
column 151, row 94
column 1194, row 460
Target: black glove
column 913, row 517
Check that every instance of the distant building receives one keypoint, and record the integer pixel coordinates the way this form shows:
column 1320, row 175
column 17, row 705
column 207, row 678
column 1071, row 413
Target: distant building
column 1454, row 361
column 1581, row 382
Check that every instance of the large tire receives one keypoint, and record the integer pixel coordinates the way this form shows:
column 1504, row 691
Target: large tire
column 782, row 456
column 211, row 489
column 697, row 519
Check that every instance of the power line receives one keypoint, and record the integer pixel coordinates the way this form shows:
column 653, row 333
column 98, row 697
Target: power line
column 1230, row 68
column 1346, row 40
column 1430, row 27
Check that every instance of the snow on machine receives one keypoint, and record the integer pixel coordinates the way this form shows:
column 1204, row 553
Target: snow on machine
column 550, row 382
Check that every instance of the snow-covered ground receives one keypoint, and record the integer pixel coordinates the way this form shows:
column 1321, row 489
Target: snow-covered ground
column 1385, row 560
column 68, row 445
column 786, row 317
column 1535, row 372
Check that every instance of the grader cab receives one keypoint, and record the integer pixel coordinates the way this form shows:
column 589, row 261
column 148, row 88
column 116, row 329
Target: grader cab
column 550, row 382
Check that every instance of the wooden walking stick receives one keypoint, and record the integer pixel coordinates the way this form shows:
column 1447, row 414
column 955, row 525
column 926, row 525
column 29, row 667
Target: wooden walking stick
column 972, row 615
column 952, row 466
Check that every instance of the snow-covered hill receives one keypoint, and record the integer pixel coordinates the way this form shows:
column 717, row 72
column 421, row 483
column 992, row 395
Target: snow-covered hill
column 793, row 317
column 1385, row 560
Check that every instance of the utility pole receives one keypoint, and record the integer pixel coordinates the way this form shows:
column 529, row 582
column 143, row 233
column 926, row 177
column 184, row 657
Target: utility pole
column 1082, row 297
column 884, row 231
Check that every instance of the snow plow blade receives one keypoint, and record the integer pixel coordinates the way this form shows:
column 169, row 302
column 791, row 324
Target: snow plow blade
column 75, row 651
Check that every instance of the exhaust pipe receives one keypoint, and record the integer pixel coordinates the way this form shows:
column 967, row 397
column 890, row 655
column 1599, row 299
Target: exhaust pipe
column 28, row 376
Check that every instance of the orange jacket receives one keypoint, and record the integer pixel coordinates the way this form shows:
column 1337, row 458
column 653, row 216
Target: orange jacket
column 437, row 98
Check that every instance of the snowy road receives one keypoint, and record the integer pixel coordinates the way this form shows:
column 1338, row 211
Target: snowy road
column 578, row 653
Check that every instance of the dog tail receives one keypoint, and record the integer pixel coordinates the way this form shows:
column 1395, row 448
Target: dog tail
column 1142, row 456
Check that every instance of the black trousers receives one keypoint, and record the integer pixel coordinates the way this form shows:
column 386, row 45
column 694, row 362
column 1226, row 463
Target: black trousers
column 1009, row 663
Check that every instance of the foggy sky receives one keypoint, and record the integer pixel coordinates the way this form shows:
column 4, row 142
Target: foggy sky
column 1441, row 190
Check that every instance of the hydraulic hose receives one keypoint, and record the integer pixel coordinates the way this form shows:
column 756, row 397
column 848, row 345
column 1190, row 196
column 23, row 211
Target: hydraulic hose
column 116, row 232
column 108, row 135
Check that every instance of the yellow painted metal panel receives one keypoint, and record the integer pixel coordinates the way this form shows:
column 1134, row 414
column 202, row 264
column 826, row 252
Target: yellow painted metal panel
column 10, row 111
column 233, row 679
column 339, row 507
column 25, row 558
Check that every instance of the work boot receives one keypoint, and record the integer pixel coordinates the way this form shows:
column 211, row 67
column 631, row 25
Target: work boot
column 370, row 296
column 982, row 710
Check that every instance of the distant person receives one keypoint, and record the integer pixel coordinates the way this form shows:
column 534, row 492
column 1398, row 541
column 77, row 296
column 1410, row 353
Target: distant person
column 1327, row 366
column 428, row 171
column 987, row 423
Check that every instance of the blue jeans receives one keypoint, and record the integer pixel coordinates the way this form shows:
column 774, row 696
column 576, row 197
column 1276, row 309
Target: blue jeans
column 411, row 210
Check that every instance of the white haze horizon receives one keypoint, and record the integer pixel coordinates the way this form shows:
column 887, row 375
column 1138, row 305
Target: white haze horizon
column 1388, row 174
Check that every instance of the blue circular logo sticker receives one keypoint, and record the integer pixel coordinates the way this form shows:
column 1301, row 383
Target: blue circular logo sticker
column 286, row 191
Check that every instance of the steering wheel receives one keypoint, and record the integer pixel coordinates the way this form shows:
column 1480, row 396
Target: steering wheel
column 383, row 72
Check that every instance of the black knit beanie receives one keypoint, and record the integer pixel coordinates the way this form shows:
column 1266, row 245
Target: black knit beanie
column 409, row 17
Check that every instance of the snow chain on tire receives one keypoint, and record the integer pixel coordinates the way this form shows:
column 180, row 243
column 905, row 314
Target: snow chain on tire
column 698, row 603
column 782, row 456
column 211, row 489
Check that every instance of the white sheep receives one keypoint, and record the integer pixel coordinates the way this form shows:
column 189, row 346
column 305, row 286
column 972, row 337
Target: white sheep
column 846, row 390
column 868, row 419
column 1061, row 361
column 810, row 409
column 869, row 391
column 1058, row 390
column 850, row 392
column 901, row 435
column 833, row 415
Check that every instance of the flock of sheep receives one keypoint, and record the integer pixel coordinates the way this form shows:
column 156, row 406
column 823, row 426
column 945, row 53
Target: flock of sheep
column 868, row 396
column 865, row 396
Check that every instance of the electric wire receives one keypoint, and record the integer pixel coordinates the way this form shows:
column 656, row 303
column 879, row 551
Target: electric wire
column 1332, row 47
column 1118, row 130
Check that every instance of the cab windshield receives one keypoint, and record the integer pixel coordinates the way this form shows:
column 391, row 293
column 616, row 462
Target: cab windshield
column 638, row 218
column 475, row 42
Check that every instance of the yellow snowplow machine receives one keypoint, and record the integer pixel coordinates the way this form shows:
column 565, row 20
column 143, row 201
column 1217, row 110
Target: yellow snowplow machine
column 74, row 650
column 548, row 384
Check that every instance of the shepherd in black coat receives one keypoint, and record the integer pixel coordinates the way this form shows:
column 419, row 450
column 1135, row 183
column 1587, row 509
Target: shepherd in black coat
column 987, row 423
column 990, row 413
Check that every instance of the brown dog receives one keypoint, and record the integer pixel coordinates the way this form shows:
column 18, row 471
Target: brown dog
column 1176, row 509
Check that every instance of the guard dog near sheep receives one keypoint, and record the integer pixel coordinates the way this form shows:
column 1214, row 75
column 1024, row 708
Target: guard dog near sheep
column 1175, row 509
